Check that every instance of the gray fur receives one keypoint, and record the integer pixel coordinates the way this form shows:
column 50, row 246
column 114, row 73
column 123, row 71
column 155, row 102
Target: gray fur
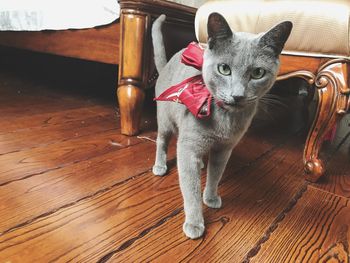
column 217, row 134
column 158, row 46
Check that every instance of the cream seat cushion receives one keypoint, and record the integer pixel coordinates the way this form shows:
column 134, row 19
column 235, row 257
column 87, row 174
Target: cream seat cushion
column 321, row 28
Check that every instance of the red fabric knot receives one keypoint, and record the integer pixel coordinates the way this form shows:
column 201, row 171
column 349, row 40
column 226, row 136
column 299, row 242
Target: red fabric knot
column 191, row 92
column 193, row 56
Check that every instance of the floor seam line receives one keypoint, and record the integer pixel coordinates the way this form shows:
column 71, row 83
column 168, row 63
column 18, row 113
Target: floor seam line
column 65, row 165
column 57, row 142
column 55, row 210
column 314, row 187
column 274, row 225
column 144, row 232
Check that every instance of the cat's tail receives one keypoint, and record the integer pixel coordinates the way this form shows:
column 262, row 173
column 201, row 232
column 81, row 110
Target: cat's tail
column 158, row 43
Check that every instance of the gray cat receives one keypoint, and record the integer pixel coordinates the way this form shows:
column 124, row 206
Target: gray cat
column 238, row 69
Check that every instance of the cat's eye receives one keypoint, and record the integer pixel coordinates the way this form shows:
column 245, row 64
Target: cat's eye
column 257, row 73
column 224, row 69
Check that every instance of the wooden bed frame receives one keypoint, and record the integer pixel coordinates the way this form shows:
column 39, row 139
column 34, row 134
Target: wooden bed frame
column 127, row 43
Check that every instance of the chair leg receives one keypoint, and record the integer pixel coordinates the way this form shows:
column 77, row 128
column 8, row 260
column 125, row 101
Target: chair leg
column 133, row 69
column 130, row 99
column 333, row 101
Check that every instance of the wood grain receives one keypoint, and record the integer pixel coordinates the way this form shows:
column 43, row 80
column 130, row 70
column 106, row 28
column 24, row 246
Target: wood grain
column 337, row 180
column 62, row 116
column 122, row 209
column 127, row 43
column 251, row 201
column 99, row 44
column 30, row 162
column 136, row 52
column 291, row 63
column 332, row 87
column 41, row 182
column 40, row 136
column 316, row 230
column 101, row 222
column 67, row 169
column 59, row 187
column 133, row 68
column 29, row 105
column 92, row 198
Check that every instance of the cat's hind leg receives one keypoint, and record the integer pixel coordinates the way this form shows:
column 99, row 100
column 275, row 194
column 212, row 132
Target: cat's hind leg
column 160, row 168
column 216, row 165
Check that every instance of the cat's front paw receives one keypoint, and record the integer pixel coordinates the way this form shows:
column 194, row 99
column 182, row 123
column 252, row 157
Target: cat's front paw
column 159, row 170
column 193, row 231
column 212, row 201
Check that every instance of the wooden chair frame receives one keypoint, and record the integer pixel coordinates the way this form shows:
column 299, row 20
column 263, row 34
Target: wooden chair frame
column 329, row 77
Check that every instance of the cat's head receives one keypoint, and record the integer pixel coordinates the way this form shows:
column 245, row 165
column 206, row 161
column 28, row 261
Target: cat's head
column 240, row 68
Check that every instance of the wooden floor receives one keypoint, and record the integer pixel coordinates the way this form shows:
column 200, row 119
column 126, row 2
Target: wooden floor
column 73, row 189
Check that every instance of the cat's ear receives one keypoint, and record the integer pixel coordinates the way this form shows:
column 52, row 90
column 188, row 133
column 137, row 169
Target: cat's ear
column 218, row 28
column 276, row 37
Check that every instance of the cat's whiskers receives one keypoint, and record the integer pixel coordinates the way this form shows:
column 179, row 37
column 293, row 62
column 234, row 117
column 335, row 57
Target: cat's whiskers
column 245, row 101
column 248, row 100
column 267, row 113
column 252, row 98
column 273, row 100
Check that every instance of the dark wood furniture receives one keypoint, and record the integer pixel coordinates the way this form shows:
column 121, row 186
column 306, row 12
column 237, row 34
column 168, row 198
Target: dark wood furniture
column 126, row 42
column 136, row 70
column 329, row 78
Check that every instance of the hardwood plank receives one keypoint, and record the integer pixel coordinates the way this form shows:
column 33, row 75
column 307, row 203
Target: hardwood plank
column 316, row 230
column 21, row 96
column 45, row 119
column 57, row 188
column 251, row 201
column 94, row 222
column 30, row 106
column 337, row 179
column 116, row 221
column 39, row 136
column 23, row 164
column 20, row 192
column 99, row 44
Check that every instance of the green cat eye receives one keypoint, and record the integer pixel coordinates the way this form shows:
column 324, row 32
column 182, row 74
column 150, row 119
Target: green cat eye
column 224, row 69
column 257, row 73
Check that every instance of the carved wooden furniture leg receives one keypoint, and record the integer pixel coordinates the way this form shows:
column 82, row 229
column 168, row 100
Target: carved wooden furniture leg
column 134, row 43
column 136, row 50
column 333, row 101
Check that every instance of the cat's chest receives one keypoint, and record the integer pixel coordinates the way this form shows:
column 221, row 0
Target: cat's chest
column 227, row 128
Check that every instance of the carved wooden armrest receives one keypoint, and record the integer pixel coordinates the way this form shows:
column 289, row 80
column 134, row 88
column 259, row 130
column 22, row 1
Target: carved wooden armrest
column 329, row 78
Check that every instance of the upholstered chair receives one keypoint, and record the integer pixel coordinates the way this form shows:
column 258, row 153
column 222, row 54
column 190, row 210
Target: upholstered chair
column 318, row 51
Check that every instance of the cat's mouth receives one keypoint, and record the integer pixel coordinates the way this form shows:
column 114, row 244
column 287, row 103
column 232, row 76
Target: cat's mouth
column 240, row 104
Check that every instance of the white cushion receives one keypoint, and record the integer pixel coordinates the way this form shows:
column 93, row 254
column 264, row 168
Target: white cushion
column 321, row 28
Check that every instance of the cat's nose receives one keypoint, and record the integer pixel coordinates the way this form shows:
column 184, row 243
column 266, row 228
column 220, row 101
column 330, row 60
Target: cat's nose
column 238, row 98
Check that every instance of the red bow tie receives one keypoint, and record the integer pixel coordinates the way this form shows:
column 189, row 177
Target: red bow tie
column 191, row 92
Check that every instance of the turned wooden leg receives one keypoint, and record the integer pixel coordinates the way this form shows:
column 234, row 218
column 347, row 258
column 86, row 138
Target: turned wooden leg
column 133, row 67
column 333, row 101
